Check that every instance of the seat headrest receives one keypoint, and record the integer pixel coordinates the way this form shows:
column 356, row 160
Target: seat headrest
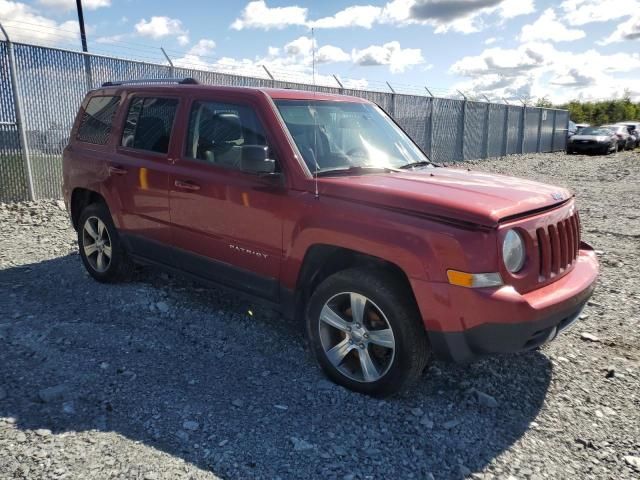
column 226, row 127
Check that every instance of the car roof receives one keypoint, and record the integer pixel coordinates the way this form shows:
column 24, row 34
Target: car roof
column 274, row 93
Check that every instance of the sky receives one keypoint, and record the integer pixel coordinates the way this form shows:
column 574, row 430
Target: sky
column 511, row 49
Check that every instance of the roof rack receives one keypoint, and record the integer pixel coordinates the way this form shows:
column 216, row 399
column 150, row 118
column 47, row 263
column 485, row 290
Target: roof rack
column 142, row 81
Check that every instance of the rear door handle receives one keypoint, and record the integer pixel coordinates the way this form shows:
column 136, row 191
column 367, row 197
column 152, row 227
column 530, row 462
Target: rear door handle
column 117, row 170
column 186, row 185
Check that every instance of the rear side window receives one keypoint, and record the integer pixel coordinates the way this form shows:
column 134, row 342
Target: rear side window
column 95, row 125
column 148, row 125
column 219, row 131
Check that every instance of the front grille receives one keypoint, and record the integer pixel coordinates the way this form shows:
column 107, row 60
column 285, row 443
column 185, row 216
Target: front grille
column 558, row 246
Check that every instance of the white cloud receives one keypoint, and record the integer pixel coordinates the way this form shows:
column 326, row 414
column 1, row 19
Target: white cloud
column 26, row 24
column 258, row 15
column 463, row 16
column 68, row 5
column 204, row 47
column 490, row 40
column 547, row 27
column 629, row 30
column 582, row 12
column 538, row 69
column 355, row 16
column 161, row 27
column 331, row 54
column 392, row 54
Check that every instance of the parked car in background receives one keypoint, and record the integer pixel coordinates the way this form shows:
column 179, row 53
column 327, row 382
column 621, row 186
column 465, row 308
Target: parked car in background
column 634, row 130
column 321, row 206
column 625, row 140
column 594, row 140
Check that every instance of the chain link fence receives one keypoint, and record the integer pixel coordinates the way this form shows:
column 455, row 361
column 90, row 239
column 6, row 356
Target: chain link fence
column 51, row 83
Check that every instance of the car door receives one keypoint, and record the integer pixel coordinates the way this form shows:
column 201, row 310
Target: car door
column 226, row 224
column 140, row 174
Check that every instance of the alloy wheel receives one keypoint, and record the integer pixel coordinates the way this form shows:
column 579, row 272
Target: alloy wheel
column 356, row 337
column 96, row 244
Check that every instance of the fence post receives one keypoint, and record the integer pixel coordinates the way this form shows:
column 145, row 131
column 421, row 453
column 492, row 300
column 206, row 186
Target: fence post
column 464, row 119
column 393, row 101
column 553, row 131
column 172, row 69
column 487, row 119
column 505, row 140
column 540, row 118
column 431, row 114
column 17, row 103
column 523, row 126
column 335, row 77
column 273, row 80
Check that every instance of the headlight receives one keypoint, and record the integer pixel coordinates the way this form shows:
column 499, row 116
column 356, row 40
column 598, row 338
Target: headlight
column 513, row 253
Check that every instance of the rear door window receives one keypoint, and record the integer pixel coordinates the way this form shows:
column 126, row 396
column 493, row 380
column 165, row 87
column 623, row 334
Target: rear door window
column 219, row 131
column 97, row 119
column 149, row 123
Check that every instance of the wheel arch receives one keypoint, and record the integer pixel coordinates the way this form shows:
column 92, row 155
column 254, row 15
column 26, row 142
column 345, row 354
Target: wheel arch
column 323, row 260
column 80, row 199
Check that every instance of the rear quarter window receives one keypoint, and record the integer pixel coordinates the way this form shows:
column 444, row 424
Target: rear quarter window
column 97, row 120
column 149, row 123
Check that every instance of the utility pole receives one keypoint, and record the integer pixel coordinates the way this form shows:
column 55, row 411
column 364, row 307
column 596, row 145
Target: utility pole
column 83, row 35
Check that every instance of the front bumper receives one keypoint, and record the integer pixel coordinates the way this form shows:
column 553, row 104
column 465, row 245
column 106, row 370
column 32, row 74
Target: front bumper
column 588, row 147
column 475, row 322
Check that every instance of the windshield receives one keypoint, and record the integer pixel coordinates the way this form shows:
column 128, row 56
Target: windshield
column 342, row 135
column 595, row 131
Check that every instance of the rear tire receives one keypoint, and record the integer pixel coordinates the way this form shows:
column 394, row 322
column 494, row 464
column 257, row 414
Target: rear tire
column 100, row 247
column 366, row 333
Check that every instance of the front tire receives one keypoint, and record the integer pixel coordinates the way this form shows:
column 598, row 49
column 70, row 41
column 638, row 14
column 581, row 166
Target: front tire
column 100, row 247
column 366, row 333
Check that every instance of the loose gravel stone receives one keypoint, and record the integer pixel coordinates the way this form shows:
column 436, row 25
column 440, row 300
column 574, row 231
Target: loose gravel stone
column 135, row 375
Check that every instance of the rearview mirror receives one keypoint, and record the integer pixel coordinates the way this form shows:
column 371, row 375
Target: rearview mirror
column 255, row 159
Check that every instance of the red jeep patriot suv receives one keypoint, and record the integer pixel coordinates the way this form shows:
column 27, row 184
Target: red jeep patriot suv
column 321, row 205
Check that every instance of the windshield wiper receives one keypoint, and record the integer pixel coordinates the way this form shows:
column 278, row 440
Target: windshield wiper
column 355, row 169
column 423, row 163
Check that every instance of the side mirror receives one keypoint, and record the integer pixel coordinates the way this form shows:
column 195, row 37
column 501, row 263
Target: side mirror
column 255, row 159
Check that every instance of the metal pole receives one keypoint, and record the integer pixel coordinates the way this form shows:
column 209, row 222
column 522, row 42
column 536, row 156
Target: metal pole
column 464, row 119
column 429, row 92
column 393, row 100
column 17, row 102
column 522, row 127
column 83, row 35
column 505, row 140
column 172, row 72
column 335, row 77
column 539, row 142
column 487, row 119
column 83, row 39
column 432, row 111
column 553, row 131
column 270, row 76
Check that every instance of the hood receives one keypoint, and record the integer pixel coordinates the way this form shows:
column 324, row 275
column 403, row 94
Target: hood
column 448, row 193
column 597, row 138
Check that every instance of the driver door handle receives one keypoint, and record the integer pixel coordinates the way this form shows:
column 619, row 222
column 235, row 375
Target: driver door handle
column 117, row 170
column 186, row 185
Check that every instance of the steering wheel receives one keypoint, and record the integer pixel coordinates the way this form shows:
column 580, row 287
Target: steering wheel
column 357, row 152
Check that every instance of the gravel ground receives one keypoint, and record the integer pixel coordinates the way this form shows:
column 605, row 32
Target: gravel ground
column 160, row 378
